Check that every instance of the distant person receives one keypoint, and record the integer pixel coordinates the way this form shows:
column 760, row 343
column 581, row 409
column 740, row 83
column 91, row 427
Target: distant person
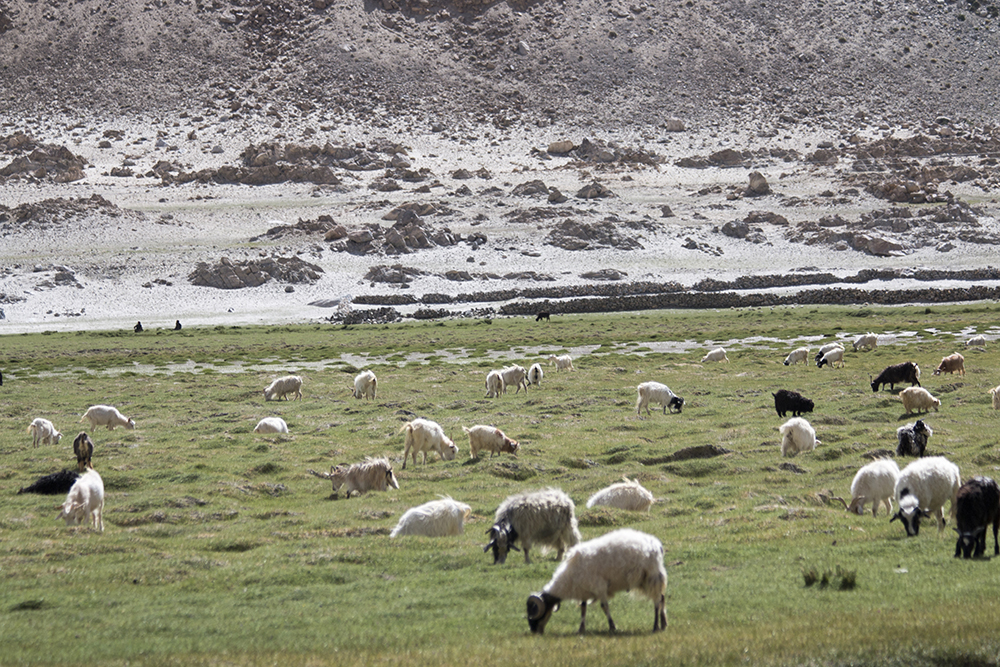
column 138, row 327
column 177, row 325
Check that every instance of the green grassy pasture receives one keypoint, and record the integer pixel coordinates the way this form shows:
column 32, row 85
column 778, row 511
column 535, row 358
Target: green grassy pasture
column 220, row 549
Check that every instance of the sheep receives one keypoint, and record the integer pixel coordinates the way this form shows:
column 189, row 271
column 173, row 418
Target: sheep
column 718, row 354
column 437, row 518
column 494, row 384
column 874, row 482
column 365, row 385
column 85, row 501
column 622, row 560
column 786, row 400
column 423, row 435
column 951, row 364
column 919, row 399
column 290, row 384
column 922, row 488
column 656, row 392
column 43, row 431
column 627, row 495
column 797, row 435
column 489, row 438
column 106, row 415
column 271, row 425
column 867, row 341
column 515, row 376
column 912, row 439
column 826, row 348
column 83, row 447
column 907, row 371
column 543, row 316
column 798, row 355
column 368, row 475
column 535, row 374
column 52, row 485
column 995, row 393
column 976, row 341
column 977, row 506
column 832, row 358
column 562, row 363
column 546, row 518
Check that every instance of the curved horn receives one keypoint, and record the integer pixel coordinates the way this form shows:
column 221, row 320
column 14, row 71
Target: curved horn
column 842, row 501
column 536, row 606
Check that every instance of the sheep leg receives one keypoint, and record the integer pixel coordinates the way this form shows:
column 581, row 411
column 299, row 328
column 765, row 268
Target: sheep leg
column 607, row 612
column 406, row 454
column 527, row 561
column 660, row 614
column 583, row 616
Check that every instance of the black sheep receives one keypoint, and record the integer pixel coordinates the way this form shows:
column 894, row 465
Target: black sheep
column 542, row 316
column 55, row 484
column 912, row 439
column 977, row 506
column 791, row 401
column 896, row 374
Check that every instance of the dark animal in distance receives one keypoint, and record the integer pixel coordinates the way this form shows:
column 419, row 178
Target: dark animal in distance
column 897, row 374
column 55, row 484
column 83, row 447
column 177, row 325
column 912, row 439
column 977, row 506
column 791, row 401
column 542, row 316
column 138, row 327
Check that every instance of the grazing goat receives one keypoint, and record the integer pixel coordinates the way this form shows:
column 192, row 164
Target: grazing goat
column 658, row 393
column 800, row 355
column 44, row 432
column 995, row 394
column 953, row 363
column 491, row 439
column 106, row 415
column 369, row 475
column 515, row 376
column 896, row 374
column 52, row 485
column 791, row 401
column 542, row 316
column 912, row 439
column 365, row 385
column 494, row 384
column 85, row 501
column 832, row 358
column 83, row 447
column 977, row 506
column 290, row 384
column 271, row 425
column 867, row 341
column 622, row 560
column 423, row 435
column 437, row 518
column 826, row 348
column 923, row 488
column 718, row 354
column 976, row 341
column 546, row 518
column 874, row 482
column 535, row 374
column 628, row 494
column 563, row 362
column 797, row 435
column 919, row 399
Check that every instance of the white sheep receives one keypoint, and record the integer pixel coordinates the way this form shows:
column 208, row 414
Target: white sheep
column 437, row 518
column 622, row 560
column 494, row 384
column 868, row 341
column 827, row 347
column 106, row 415
column 919, row 399
column 563, row 362
column 546, row 518
column 423, row 435
column 658, row 393
column 797, row 355
column 797, row 435
column 718, row 354
column 832, row 358
column 271, row 425
column 976, row 341
column 535, row 374
column 365, row 385
column 995, row 393
column 369, row 475
column 44, row 432
column 290, row 384
column 628, row 494
column 874, row 483
column 489, row 438
column 85, row 501
column 922, row 489
column 515, row 376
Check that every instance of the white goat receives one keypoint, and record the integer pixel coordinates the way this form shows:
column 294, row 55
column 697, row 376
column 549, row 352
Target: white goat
column 919, row 399
column 976, row 341
column 832, row 358
column 365, row 385
column 923, row 487
column 797, row 435
column 290, row 384
column 491, row 439
column 44, row 432
column 658, row 393
column 369, row 475
column 718, row 354
column 874, row 483
column 563, row 362
column 535, row 374
column 797, row 355
column 437, row 518
column 494, row 384
column 271, row 425
column 85, row 501
column 622, row 560
column 868, row 341
column 546, row 517
column 106, row 415
column 628, row 494
column 515, row 376
column 423, row 435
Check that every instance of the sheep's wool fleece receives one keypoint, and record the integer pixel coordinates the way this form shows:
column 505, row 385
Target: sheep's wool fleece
column 437, row 518
column 621, row 560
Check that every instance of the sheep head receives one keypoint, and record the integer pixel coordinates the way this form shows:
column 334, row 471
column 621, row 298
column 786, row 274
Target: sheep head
column 676, row 402
column 540, row 608
column 502, row 537
column 970, row 540
column 910, row 513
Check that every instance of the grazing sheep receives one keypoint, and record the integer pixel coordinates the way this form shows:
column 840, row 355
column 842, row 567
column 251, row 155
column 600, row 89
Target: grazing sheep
column 622, row 560
column 977, row 506
column 796, row 356
column 369, row 475
column 85, row 501
column 953, row 363
column 791, row 401
column 832, row 358
column 995, row 393
column 874, row 483
column 271, row 425
column 52, row 485
column 365, row 385
column 423, row 435
column 514, row 376
column 797, row 435
column 826, row 348
column 290, row 384
column 912, row 439
column 896, row 374
column 563, row 362
column 546, row 518
column 83, row 447
column 976, row 341
column 868, row 341
column 658, row 393
column 535, row 374
column 106, row 415
column 923, row 487
column 718, row 354
column 437, row 518
column 491, row 439
column 542, row 316
column 919, row 399
column 627, row 495
column 494, row 384
column 44, row 432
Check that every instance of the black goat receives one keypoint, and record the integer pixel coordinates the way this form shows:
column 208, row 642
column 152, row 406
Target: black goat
column 977, row 506
column 896, row 374
column 912, row 439
column 55, row 484
column 542, row 316
column 791, row 401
